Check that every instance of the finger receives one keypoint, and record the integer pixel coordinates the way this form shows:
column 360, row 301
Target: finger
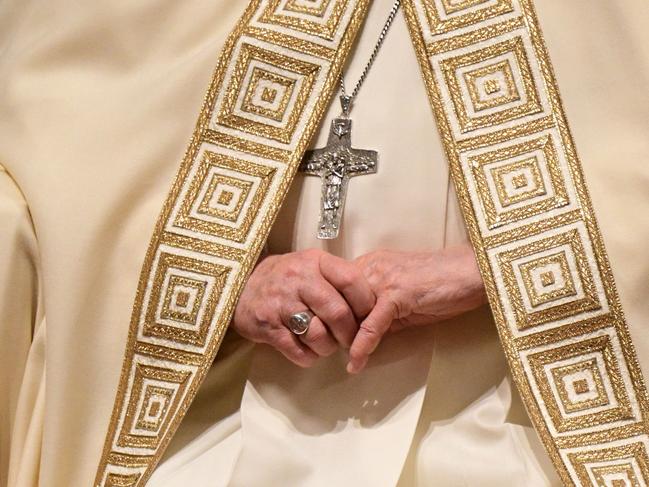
column 348, row 279
column 369, row 335
column 332, row 309
column 318, row 338
column 288, row 344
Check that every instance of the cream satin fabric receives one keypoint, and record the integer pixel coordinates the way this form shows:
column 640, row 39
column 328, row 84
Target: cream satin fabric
column 21, row 327
column 97, row 102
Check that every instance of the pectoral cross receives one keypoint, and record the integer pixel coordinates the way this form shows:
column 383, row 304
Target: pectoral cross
column 335, row 164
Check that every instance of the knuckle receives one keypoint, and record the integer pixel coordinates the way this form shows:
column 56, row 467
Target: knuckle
column 339, row 313
column 300, row 263
column 263, row 315
column 398, row 307
column 312, row 254
column 369, row 330
column 349, row 277
column 321, row 293
column 269, row 311
column 292, row 269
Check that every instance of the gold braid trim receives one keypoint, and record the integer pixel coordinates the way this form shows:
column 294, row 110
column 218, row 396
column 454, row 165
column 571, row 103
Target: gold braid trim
column 269, row 91
column 531, row 222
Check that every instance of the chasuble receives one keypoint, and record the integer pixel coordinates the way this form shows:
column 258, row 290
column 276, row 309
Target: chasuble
column 98, row 105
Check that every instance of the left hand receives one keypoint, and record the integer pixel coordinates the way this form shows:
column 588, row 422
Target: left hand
column 414, row 288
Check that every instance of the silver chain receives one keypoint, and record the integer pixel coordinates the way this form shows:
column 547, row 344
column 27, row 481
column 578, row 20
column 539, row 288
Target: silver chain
column 377, row 47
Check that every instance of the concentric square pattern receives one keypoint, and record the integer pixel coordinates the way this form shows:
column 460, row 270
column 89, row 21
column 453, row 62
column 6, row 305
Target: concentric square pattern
column 267, row 93
column 517, row 181
column 616, row 466
column 548, row 280
column 183, row 298
column 156, row 393
column 492, row 85
column 581, row 383
column 224, row 197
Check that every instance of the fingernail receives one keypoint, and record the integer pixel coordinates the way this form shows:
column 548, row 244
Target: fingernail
column 351, row 369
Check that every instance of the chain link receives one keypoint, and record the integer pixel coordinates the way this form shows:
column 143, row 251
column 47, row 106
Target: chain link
column 375, row 52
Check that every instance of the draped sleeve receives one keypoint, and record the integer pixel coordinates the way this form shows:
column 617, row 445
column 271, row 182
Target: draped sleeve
column 21, row 332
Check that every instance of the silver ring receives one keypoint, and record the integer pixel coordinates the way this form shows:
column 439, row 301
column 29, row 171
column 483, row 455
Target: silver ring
column 299, row 323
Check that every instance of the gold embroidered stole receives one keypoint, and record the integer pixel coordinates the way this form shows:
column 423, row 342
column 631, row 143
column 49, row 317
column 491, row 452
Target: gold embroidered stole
column 521, row 190
column 531, row 222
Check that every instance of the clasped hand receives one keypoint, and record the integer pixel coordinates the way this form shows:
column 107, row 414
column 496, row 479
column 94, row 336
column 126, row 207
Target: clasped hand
column 355, row 303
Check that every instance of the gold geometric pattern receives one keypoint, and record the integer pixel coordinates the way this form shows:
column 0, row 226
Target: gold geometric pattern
column 154, row 408
column 271, row 86
column 616, row 466
column 320, row 18
column 259, row 72
column 183, row 299
column 201, row 210
column 225, row 197
column 454, row 6
column 580, row 386
column 201, row 281
column 447, row 15
column 516, row 97
column 491, row 86
column 117, row 480
column 548, row 280
column 519, row 181
column 622, row 475
column 521, row 187
column 268, row 94
column 559, row 370
column 311, row 7
column 151, row 385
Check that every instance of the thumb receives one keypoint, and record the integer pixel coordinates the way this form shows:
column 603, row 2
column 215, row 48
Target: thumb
column 370, row 333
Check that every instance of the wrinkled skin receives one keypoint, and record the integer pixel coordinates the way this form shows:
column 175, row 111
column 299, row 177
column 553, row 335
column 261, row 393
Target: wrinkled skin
column 355, row 303
column 334, row 289
column 415, row 289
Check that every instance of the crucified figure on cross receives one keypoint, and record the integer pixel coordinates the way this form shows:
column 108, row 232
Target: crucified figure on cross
column 335, row 164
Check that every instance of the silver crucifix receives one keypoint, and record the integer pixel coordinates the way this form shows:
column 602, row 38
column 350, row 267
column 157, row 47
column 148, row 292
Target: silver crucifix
column 335, row 164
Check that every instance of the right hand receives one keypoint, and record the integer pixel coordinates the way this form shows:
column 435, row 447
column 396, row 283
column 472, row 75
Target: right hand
column 334, row 289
